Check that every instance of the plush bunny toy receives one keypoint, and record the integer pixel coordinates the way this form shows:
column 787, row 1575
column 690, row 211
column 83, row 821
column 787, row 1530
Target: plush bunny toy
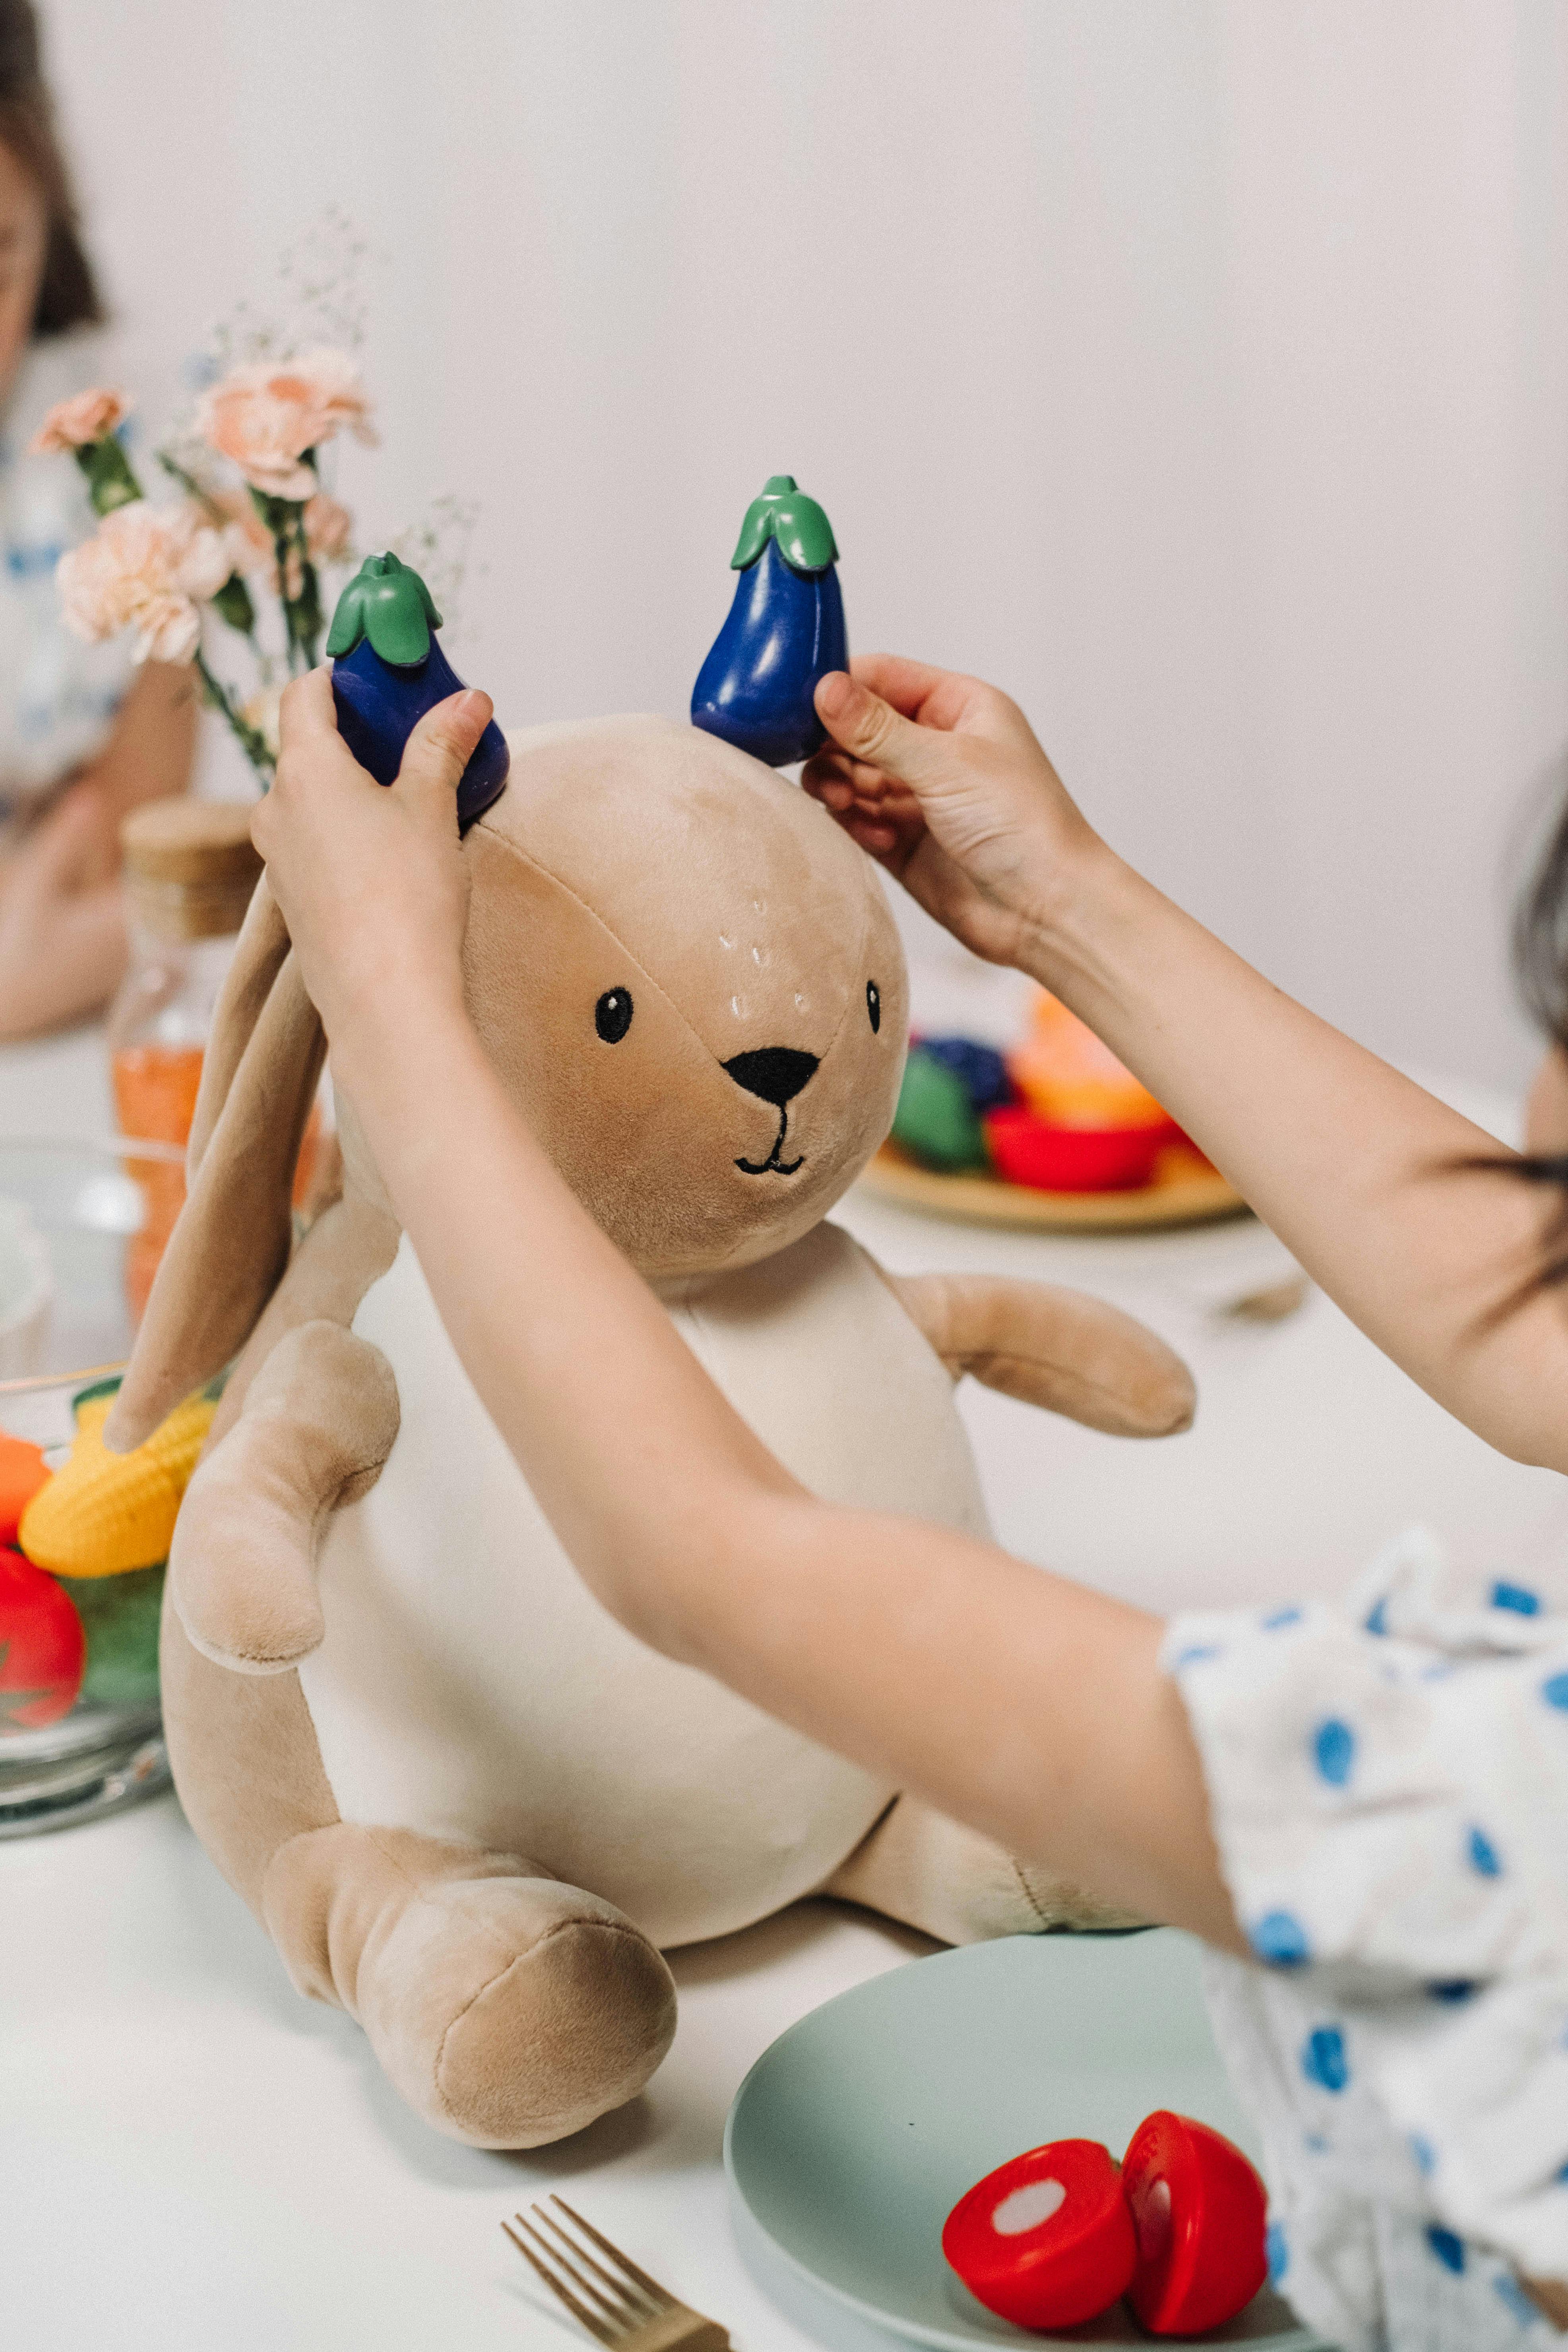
column 470, row 1809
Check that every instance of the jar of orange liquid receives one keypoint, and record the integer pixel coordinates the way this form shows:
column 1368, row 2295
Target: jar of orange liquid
column 190, row 869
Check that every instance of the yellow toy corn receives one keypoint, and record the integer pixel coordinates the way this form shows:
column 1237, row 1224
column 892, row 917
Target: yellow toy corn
column 103, row 1513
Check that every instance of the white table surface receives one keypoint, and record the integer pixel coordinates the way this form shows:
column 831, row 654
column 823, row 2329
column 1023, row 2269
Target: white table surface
column 192, row 2158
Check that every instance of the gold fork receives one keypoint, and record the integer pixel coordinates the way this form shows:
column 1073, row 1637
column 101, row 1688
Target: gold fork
column 636, row 2313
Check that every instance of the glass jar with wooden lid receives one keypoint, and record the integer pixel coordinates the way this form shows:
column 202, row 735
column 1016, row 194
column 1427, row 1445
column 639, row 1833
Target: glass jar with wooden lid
column 190, row 868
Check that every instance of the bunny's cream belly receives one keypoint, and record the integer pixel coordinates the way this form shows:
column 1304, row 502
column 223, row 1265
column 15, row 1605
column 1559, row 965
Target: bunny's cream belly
column 471, row 1687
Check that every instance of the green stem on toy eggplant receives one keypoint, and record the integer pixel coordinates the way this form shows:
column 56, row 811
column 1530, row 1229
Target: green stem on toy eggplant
column 390, row 604
column 110, row 479
column 252, row 742
column 783, row 513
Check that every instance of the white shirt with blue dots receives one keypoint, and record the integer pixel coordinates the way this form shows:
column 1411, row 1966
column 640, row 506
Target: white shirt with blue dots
column 58, row 695
column 1388, row 1784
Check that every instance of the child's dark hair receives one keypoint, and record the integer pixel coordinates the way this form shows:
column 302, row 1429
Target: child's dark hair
column 67, row 291
column 1540, row 964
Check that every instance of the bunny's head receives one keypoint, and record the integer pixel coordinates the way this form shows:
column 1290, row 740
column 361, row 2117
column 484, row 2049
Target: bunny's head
column 690, row 983
column 687, row 978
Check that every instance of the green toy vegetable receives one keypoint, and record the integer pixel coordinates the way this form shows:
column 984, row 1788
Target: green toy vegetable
column 935, row 1122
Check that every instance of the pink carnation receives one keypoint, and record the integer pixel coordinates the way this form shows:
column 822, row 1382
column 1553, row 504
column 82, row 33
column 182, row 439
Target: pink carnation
column 74, row 424
column 265, row 415
column 253, row 551
column 327, row 528
column 146, row 568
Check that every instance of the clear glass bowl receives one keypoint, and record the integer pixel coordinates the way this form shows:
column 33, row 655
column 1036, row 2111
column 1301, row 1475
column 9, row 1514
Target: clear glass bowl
column 68, row 1213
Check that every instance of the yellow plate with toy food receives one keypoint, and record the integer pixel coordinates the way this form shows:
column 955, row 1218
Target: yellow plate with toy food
column 1054, row 1133
column 1186, row 1190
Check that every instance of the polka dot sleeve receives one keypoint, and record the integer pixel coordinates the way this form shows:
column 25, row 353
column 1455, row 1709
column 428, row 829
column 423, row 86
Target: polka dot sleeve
column 1388, row 1785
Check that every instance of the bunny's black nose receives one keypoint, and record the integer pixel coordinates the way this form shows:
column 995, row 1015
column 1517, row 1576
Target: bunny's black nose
column 778, row 1073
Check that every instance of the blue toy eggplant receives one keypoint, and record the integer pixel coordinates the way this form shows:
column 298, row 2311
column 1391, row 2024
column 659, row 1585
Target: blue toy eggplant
column 786, row 630
column 388, row 671
column 980, row 1068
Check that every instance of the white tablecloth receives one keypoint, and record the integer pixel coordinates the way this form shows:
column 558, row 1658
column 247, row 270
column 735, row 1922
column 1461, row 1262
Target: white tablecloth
column 190, row 2157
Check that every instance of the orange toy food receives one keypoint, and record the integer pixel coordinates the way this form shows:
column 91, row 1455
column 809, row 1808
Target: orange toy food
column 22, row 1473
column 1069, row 1079
column 155, row 1099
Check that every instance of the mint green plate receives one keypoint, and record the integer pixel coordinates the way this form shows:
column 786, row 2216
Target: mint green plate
column 857, row 2131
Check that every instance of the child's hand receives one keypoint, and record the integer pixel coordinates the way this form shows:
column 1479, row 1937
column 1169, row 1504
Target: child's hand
column 371, row 879
column 942, row 779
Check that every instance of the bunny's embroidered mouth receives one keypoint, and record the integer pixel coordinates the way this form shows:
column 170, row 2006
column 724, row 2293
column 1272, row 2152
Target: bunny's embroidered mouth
column 777, row 1074
column 772, row 1165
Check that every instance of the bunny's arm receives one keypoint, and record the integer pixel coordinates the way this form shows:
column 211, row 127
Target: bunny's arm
column 319, row 1421
column 1057, row 1349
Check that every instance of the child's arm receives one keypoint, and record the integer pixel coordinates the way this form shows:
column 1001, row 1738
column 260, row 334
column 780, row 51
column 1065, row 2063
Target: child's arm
column 62, row 911
column 1350, row 1164
column 1020, row 1702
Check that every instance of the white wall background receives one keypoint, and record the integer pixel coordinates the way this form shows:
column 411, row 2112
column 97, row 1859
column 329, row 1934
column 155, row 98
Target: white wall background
column 1197, row 369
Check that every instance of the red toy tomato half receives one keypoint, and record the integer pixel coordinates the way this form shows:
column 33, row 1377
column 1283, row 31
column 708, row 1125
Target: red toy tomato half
column 1200, row 2213
column 43, row 1650
column 1047, row 2240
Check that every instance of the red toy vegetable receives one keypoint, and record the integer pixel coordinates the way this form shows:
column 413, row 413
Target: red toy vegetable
column 1026, row 1149
column 1199, row 2210
column 1046, row 2241
column 43, row 1650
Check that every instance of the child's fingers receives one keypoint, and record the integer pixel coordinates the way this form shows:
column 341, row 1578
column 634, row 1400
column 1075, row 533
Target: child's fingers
column 875, row 839
column 307, row 712
column 871, row 731
column 907, row 685
column 439, row 750
column 944, row 700
column 836, row 779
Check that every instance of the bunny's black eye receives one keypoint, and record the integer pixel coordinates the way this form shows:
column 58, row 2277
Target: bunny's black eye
column 874, row 1005
column 613, row 1015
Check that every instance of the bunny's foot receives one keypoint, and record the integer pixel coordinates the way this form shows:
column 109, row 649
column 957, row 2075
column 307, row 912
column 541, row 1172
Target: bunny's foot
column 952, row 1883
column 508, row 2009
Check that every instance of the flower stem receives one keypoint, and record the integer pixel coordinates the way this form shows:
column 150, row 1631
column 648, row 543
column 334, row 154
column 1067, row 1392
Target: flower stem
column 252, row 742
column 291, row 632
column 308, row 604
column 188, row 482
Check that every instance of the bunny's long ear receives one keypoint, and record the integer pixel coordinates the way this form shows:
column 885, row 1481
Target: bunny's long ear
column 229, row 1248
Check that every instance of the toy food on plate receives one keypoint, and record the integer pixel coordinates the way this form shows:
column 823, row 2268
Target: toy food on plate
column 983, row 1070
column 1046, row 2241
column 1056, row 1113
column 937, row 1121
column 1026, row 1149
column 1200, row 2214
column 42, row 1647
column 1059, row 2234
column 1069, row 1079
